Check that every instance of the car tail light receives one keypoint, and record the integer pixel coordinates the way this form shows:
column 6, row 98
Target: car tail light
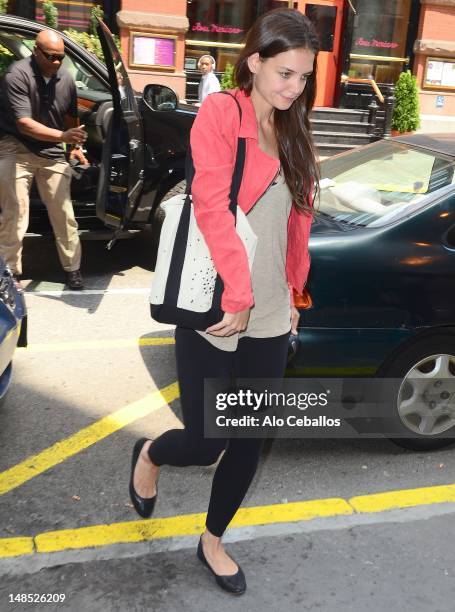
column 303, row 301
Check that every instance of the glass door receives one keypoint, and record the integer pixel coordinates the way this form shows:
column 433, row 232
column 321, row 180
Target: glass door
column 327, row 17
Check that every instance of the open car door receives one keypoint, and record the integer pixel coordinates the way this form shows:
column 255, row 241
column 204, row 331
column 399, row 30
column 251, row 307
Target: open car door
column 122, row 164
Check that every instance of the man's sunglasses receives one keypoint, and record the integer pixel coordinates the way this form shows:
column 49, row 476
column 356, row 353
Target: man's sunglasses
column 51, row 57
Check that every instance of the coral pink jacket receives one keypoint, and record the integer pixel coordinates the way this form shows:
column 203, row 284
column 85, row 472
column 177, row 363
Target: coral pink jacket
column 214, row 147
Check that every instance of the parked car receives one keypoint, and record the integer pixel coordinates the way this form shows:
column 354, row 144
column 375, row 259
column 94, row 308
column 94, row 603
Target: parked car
column 136, row 142
column 381, row 290
column 13, row 325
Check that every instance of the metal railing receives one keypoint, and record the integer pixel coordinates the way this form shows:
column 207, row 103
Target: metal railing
column 371, row 82
column 387, row 103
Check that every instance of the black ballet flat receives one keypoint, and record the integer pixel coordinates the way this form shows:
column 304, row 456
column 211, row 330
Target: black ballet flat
column 143, row 506
column 235, row 584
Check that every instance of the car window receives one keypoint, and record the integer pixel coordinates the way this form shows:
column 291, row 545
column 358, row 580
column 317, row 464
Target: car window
column 12, row 48
column 17, row 47
column 372, row 185
column 126, row 93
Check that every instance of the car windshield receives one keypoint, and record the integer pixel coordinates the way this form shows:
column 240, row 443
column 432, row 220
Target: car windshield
column 378, row 183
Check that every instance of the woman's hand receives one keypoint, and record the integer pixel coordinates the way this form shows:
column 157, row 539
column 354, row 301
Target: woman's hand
column 295, row 316
column 230, row 324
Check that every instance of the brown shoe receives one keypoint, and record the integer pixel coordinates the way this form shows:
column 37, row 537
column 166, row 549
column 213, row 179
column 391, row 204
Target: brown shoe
column 74, row 280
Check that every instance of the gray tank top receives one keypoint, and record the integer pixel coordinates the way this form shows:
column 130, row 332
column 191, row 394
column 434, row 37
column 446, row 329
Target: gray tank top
column 271, row 314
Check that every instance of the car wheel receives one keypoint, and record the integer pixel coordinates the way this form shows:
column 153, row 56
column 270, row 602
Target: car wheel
column 425, row 399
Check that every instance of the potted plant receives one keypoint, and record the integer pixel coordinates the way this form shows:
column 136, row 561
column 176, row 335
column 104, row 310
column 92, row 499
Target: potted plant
column 227, row 80
column 406, row 114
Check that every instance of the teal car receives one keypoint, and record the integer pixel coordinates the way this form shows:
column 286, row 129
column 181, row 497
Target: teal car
column 380, row 299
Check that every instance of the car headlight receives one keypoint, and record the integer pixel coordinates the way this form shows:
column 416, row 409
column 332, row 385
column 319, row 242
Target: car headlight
column 7, row 291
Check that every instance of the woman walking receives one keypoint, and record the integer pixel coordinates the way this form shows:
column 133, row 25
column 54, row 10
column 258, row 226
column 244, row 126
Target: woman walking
column 276, row 79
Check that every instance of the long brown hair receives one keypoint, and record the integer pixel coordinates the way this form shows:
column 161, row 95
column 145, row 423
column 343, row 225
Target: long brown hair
column 275, row 32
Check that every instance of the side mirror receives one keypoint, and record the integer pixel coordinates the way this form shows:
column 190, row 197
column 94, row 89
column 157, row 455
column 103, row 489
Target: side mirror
column 160, row 98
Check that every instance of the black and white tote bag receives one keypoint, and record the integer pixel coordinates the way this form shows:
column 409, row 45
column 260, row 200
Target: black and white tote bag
column 186, row 289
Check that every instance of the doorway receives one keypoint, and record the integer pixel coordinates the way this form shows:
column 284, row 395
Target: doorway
column 327, row 16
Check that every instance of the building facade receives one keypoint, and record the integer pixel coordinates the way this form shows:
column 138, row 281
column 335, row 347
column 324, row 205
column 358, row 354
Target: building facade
column 434, row 64
column 363, row 42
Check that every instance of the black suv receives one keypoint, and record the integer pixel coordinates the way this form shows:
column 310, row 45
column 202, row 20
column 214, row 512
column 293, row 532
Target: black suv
column 136, row 143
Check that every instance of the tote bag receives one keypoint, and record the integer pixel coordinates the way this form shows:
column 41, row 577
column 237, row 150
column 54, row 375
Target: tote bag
column 186, row 289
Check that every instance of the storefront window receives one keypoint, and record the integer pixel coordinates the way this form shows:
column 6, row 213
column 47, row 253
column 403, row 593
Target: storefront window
column 217, row 24
column 74, row 15
column 22, row 8
column 380, row 27
column 218, row 28
column 70, row 15
column 226, row 21
column 219, row 20
column 324, row 20
column 380, row 31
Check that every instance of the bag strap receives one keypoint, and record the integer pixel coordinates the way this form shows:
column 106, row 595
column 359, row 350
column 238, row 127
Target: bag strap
column 228, row 93
column 233, row 195
column 239, row 165
column 238, row 168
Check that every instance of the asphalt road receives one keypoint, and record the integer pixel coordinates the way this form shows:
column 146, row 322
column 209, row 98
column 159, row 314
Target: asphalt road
column 85, row 390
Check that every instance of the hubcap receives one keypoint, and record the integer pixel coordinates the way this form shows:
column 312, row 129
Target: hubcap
column 426, row 400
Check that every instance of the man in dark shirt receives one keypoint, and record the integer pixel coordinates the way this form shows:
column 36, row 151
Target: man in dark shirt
column 39, row 102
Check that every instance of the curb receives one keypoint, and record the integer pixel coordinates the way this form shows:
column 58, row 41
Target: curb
column 133, row 532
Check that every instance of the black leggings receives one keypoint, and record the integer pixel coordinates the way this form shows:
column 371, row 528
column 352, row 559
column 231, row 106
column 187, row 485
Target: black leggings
column 198, row 359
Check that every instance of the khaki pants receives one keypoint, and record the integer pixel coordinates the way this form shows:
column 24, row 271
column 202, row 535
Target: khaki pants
column 18, row 166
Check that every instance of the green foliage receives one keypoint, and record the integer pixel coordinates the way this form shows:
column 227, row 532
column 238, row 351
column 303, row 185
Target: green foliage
column 227, row 80
column 3, row 6
column 95, row 13
column 50, row 12
column 406, row 114
column 90, row 42
column 6, row 57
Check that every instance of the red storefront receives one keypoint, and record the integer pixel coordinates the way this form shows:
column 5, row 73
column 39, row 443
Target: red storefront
column 361, row 41
column 359, row 38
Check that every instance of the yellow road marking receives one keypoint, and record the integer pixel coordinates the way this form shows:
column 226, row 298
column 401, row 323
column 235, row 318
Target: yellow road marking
column 60, row 451
column 134, row 531
column 193, row 524
column 186, row 524
column 406, row 498
column 16, row 547
column 53, row 347
column 293, row 511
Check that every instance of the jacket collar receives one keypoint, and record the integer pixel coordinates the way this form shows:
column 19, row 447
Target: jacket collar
column 248, row 125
